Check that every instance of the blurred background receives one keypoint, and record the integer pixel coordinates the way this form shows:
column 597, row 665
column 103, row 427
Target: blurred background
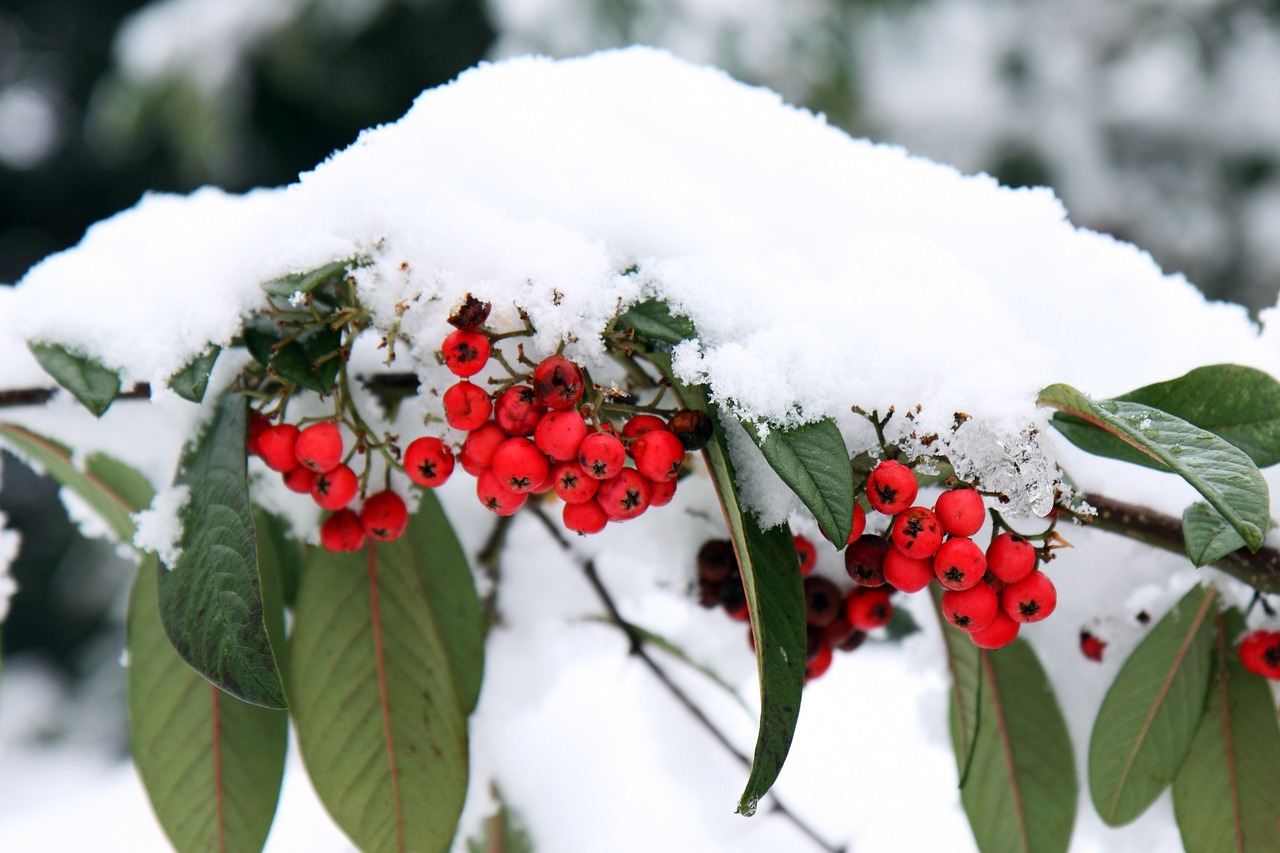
column 1158, row 122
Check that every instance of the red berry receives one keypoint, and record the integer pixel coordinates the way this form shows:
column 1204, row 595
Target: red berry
column 959, row 563
column 342, row 532
column 319, row 447
column 257, row 423
column 808, row 554
column 640, row 424
column 275, row 446
column 625, row 496
column 971, row 609
column 906, row 574
column 661, row 492
column 1010, row 557
column 496, row 497
column 864, row 560
column 1260, row 653
column 585, row 517
column 841, row 634
column 478, row 448
column 466, row 405
column 891, row 487
column 859, row 525
column 384, row 516
column 658, row 455
column 601, row 455
column 466, row 352
column 572, row 484
column 519, row 465
column 868, row 609
column 558, row 383
column 822, row 601
column 817, row 665
column 299, row 480
column 428, row 461
column 335, row 489
column 960, row 512
column 518, row 411
column 1031, row 599
column 1091, row 646
column 560, row 434
column 1000, row 633
column 916, row 532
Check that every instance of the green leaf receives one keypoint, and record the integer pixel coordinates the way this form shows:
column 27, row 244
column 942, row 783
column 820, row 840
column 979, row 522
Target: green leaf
column 308, row 281
column 211, row 764
column 309, row 361
column 211, row 600
column 1226, row 796
column 94, row 385
column 1207, row 535
column 966, row 688
column 1219, row 471
column 813, row 461
column 652, row 320
column 104, row 497
column 283, row 554
column 1021, row 791
column 1151, row 711
column 192, row 381
column 381, row 725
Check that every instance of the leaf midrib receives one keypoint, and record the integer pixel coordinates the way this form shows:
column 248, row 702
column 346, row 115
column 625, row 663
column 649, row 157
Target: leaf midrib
column 1006, row 746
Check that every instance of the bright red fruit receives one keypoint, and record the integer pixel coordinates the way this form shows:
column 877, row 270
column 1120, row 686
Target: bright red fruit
column 1091, row 646
column 428, row 461
column 572, row 484
column 864, row 560
column 466, row 352
column 478, row 448
column 808, row 554
column 1260, row 653
column 319, row 447
column 1031, row 599
column 1000, row 633
column 601, row 455
column 342, row 532
column 584, row 518
column 661, row 492
column 496, row 497
column 466, row 405
column 625, row 496
column 558, row 383
column 519, row 465
column 299, row 480
column 916, row 532
column 257, row 423
column 959, row 563
column 560, row 434
column 817, row 665
column 1010, row 557
column 335, row 489
column 906, row 574
column 658, row 454
column 640, row 424
column 867, row 608
column 518, row 411
column 275, row 446
column 384, row 516
column 971, row 609
column 960, row 512
column 891, row 487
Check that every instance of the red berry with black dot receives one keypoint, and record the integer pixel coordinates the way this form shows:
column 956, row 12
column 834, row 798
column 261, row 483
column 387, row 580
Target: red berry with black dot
column 276, row 447
column 518, row 411
column 1260, row 653
column 817, row 665
column 960, row 512
column 661, row 492
column 658, row 455
column 625, row 496
column 1091, row 646
column 466, row 405
column 384, row 516
column 891, row 487
column 1010, row 557
column 959, row 563
column 640, row 424
column 572, row 484
column 466, row 352
column 319, row 447
column 336, row 488
column 428, row 461
column 584, row 518
column 479, row 446
column 867, row 608
column 519, row 465
column 807, row 553
column 602, row 455
column 906, row 574
column 558, row 383
column 299, row 480
column 560, row 434
column 342, row 532
column 1031, row 599
column 864, row 560
column 496, row 497
column 823, row 601
column 1001, row 632
column 916, row 532
column 971, row 609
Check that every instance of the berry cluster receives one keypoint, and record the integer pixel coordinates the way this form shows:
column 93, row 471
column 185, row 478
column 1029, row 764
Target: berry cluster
column 1260, row 653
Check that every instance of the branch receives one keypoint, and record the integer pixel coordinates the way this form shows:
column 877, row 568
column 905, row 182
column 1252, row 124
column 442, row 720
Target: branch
column 383, row 383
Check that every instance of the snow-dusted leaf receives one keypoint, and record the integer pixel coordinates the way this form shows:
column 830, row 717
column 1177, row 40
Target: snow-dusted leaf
column 1152, row 710
column 211, row 599
column 192, row 381
column 965, row 663
column 1226, row 796
column 1221, row 472
column 309, row 360
column 308, row 281
column 88, row 381
column 814, row 463
column 652, row 320
column 1206, row 534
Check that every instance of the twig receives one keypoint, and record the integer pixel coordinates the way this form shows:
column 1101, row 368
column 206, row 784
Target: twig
column 382, row 382
column 490, row 560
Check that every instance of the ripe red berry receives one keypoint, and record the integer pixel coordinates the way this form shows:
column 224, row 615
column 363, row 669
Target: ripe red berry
column 959, row 563
column 342, row 532
column 906, row 574
column 807, row 553
column 625, row 496
column 822, row 601
column 584, row 518
column 558, row 383
column 661, row 492
column 916, row 532
column 960, row 512
column 299, row 480
column 841, row 634
column 1091, row 646
column 971, row 609
column 859, row 524
column 640, row 424
column 518, row 411
column 496, row 497
column 864, row 560
column 572, row 484
column 335, row 489
column 891, row 487
column 384, row 516
column 560, row 434
column 466, row 405
column 257, row 423
column 466, row 352
column 601, row 455
column 818, row 664
column 275, row 446
column 658, row 455
column 519, row 465
column 1010, row 557
column 1000, row 633
column 868, row 609
column 479, row 446
column 428, row 461
column 319, row 446
column 1260, row 653
column 1031, row 599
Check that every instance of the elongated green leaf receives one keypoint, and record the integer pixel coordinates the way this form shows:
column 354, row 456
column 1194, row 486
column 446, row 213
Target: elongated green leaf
column 1151, row 711
column 813, row 461
column 211, row 764
column 211, row 600
column 966, row 688
column 310, row 360
column 1207, row 535
column 1226, row 795
column 88, row 381
column 111, row 506
column 192, row 381
column 381, row 725
column 1021, row 790
column 308, row 281
column 652, row 320
column 284, row 554
column 1219, row 471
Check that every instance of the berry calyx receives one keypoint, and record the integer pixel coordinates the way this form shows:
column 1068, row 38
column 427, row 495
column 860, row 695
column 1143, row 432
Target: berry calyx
column 971, row 609
column 602, row 455
column 319, row 447
column 1010, row 557
column 384, row 516
column 891, row 487
column 916, row 532
column 466, row 405
column 959, row 564
column 572, row 484
column 342, row 532
column 335, row 489
column 276, row 447
column 466, row 352
column 558, row 383
column 428, row 461
column 960, row 512
column 658, row 455
column 1031, row 599
column 519, row 465
column 868, row 609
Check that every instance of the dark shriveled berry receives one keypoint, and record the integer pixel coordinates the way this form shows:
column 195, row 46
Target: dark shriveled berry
column 822, row 601
column 864, row 560
column 692, row 427
column 716, row 561
column 470, row 314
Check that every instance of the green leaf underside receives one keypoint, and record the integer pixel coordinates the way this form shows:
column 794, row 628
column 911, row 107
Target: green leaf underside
column 653, row 321
column 293, row 360
column 966, row 689
column 1021, row 790
column 308, row 281
column 1221, row 472
column 1207, row 535
column 1151, row 711
column 1226, row 796
column 211, row 764
column 211, row 600
column 94, row 385
column 192, row 381
column 381, row 725
column 814, row 463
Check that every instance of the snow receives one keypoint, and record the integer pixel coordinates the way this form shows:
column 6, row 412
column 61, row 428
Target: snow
column 821, row 271
column 158, row 530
